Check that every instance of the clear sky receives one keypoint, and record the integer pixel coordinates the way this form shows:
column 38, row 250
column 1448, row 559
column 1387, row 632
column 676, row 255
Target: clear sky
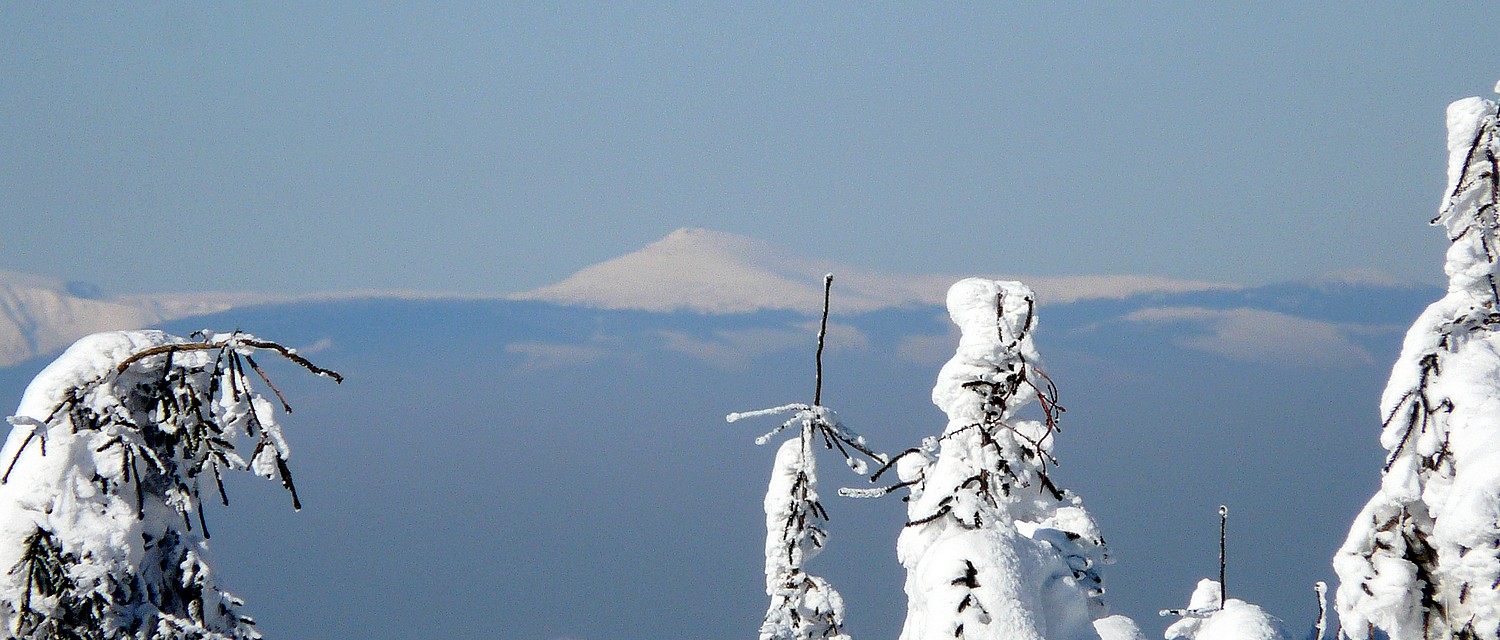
column 498, row 147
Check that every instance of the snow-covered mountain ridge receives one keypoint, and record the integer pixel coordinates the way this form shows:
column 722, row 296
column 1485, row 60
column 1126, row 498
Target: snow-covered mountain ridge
column 710, row 271
column 690, row 270
column 39, row 315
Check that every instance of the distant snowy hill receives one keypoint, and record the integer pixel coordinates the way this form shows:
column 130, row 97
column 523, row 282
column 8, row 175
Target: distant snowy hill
column 715, row 272
column 39, row 316
column 696, row 270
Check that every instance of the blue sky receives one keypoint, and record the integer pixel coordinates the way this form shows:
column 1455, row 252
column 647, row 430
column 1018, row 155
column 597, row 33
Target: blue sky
column 497, row 148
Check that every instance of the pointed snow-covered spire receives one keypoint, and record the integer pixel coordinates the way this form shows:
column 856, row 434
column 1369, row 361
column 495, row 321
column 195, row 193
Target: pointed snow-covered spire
column 992, row 548
column 1422, row 560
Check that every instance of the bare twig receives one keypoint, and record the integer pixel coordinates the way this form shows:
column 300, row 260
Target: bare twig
column 1223, row 532
column 822, row 335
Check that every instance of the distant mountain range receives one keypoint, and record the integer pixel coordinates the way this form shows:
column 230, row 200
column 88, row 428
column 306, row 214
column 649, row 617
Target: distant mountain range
column 691, row 269
column 555, row 463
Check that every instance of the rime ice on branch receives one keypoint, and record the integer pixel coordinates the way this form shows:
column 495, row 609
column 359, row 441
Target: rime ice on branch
column 993, row 549
column 803, row 606
column 101, row 523
column 1422, row 559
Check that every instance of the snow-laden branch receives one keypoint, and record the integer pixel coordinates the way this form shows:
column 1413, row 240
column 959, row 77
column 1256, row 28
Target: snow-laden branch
column 97, row 520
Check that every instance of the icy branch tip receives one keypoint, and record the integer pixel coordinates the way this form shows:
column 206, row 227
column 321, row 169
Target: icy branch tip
column 24, row 421
column 734, row 417
column 1223, row 510
column 1497, row 87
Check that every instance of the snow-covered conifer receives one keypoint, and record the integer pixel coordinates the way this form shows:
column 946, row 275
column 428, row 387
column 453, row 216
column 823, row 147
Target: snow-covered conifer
column 803, row 606
column 992, row 548
column 1210, row 617
column 102, row 533
column 1422, row 559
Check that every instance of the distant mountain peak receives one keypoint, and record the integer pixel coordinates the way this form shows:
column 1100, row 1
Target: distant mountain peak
column 708, row 271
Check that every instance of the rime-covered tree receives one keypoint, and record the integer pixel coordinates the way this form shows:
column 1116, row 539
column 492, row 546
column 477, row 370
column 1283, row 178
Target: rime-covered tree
column 1210, row 616
column 102, row 532
column 803, row 606
column 993, row 549
column 1422, row 560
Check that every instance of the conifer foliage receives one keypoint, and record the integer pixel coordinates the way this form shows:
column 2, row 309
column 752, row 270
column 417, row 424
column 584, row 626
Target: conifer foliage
column 1422, row 559
column 116, row 443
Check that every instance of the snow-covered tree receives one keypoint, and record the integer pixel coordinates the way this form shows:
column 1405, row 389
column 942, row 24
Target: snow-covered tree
column 1422, row 559
column 993, row 549
column 803, row 606
column 102, row 485
column 1211, row 617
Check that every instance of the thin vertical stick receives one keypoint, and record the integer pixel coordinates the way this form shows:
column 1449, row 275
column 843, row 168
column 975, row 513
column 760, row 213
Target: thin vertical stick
column 822, row 333
column 1223, row 531
column 1322, row 589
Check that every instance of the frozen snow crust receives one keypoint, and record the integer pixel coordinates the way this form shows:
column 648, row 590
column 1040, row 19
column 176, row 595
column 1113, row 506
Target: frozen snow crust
column 1422, row 559
column 992, row 549
column 101, row 489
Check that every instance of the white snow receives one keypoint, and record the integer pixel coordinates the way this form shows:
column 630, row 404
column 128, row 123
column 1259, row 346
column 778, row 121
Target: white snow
column 1422, row 559
column 714, row 272
column 1118, row 627
column 991, row 549
column 101, row 468
column 39, row 316
column 1235, row 619
column 803, row 606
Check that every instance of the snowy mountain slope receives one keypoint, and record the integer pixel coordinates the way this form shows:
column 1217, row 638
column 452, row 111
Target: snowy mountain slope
column 40, row 315
column 714, row 272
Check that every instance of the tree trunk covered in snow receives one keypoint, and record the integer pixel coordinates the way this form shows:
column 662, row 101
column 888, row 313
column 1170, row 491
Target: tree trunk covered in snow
column 101, row 522
column 1422, row 559
column 992, row 548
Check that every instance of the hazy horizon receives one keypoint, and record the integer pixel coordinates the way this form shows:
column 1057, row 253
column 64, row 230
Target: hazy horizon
column 289, row 149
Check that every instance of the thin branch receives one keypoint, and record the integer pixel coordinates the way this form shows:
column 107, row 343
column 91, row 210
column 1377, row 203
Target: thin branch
column 822, row 335
column 284, row 405
column 1223, row 534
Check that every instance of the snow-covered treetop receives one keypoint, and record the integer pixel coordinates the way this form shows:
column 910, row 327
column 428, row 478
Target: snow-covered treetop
column 995, row 319
column 102, row 484
column 803, row 606
column 1422, row 559
column 1208, row 619
column 992, row 548
column 1468, row 211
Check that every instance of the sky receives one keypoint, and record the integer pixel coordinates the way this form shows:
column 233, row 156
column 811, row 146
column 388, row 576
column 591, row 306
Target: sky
column 500, row 147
